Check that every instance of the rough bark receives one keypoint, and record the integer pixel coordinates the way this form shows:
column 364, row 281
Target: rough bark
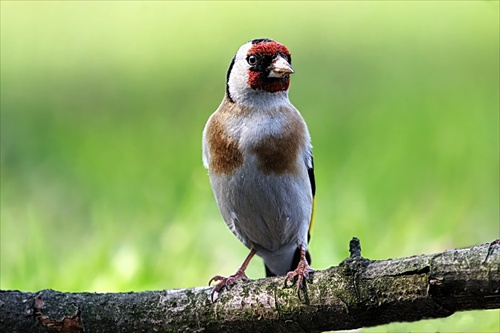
column 358, row 293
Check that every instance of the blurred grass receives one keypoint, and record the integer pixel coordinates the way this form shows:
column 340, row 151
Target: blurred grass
column 103, row 104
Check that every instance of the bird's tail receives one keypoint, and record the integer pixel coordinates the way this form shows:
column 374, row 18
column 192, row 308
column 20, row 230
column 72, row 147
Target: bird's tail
column 295, row 262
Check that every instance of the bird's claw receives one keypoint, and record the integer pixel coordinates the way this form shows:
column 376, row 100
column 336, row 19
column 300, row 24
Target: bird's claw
column 302, row 273
column 225, row 282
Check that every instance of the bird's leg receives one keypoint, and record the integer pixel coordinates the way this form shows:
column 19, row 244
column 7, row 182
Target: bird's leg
column 225, row 282
column 302, row 271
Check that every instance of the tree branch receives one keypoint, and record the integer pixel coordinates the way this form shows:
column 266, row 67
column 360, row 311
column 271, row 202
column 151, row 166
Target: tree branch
column 358, row 293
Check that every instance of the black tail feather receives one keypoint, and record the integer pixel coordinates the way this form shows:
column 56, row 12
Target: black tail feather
column 268, row 271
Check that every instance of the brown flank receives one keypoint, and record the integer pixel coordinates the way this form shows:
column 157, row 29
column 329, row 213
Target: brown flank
column 278, row 154
column 225, row 156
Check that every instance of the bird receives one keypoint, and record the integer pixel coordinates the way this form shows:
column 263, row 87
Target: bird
column 257, row 149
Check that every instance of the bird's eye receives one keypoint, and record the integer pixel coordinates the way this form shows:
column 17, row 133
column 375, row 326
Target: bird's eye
column 252, row 60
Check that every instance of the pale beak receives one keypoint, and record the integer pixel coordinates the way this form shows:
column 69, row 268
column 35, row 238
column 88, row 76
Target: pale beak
column 280, row 68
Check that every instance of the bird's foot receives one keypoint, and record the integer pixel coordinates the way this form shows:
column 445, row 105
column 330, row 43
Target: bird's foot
column 226, row 282
column 302, row 273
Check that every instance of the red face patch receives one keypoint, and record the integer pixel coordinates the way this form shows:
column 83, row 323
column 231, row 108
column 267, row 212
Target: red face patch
column 269, row 48
column 258, row 75
column 259, row 82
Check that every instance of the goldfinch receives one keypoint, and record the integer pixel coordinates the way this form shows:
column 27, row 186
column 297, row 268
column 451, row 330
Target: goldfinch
column 256, row 147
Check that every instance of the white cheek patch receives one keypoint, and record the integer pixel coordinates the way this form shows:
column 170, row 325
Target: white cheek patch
column 238, row 78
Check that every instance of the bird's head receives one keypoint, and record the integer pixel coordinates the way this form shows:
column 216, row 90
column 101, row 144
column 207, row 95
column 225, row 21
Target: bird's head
column 260, row 68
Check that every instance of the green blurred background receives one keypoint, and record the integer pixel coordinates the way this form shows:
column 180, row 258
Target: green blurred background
column 103, row 105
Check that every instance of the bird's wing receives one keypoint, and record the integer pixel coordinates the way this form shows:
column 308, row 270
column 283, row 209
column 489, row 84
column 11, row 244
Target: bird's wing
column 310, row 172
